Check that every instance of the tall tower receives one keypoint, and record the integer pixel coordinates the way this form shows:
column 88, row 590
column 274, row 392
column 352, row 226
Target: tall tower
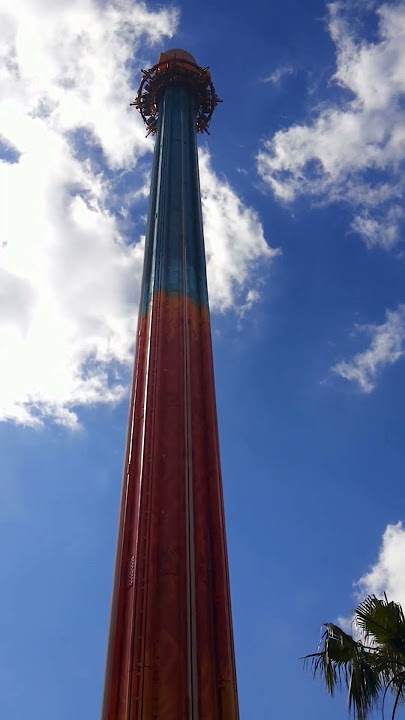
column 170, row 653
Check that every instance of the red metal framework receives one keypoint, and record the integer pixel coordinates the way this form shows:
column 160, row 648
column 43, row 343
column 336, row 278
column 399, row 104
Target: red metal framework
column 176, row 67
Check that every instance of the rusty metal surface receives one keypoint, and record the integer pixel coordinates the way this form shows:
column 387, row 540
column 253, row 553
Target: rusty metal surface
column 151, row 657
column 170, row 654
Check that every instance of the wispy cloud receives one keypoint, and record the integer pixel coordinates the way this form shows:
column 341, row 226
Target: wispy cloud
column 278, row 74
column 353, row 150
column 70, row 254
column 386, row 348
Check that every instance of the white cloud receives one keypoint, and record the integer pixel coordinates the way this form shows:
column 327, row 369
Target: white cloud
column 278, row 74
column 386, row 348
column 234, row 240
column 67, row 276
column 388, row 573
column 72, row 62
column 379, row 228
column 354, row 150
column 70, row 266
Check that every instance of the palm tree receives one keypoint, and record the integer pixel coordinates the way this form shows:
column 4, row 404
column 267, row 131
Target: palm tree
column 369, row 665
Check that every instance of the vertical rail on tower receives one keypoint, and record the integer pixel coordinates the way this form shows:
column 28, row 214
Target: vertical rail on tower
column 170, row 651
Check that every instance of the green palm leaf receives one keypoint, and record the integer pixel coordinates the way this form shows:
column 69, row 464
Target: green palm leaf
column 370, row 666
column 382, row 622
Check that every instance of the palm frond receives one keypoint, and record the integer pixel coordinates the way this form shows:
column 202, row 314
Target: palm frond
column 364, row 688
column 397, row 681
column 341, row 660
column 397, row 699
column 370, row 666
column 383, row 623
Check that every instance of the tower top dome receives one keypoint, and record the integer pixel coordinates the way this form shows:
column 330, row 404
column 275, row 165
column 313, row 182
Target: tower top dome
column 177, row 54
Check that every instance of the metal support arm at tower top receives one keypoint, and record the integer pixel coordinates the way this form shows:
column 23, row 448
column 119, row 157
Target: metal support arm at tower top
column 176, row 68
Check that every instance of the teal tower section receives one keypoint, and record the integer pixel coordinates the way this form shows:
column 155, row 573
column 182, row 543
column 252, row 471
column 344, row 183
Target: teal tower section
column 174, row 255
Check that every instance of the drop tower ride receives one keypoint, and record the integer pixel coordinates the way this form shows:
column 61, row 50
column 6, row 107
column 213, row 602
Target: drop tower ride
column 170, row 652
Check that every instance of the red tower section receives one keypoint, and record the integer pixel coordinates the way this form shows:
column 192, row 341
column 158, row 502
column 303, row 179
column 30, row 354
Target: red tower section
column 170, row 654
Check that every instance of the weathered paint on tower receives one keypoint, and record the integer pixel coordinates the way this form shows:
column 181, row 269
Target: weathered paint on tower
column 170, row 653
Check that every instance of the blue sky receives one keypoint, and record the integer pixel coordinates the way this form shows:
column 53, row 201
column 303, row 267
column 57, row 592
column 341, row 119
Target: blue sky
column 302, row 197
